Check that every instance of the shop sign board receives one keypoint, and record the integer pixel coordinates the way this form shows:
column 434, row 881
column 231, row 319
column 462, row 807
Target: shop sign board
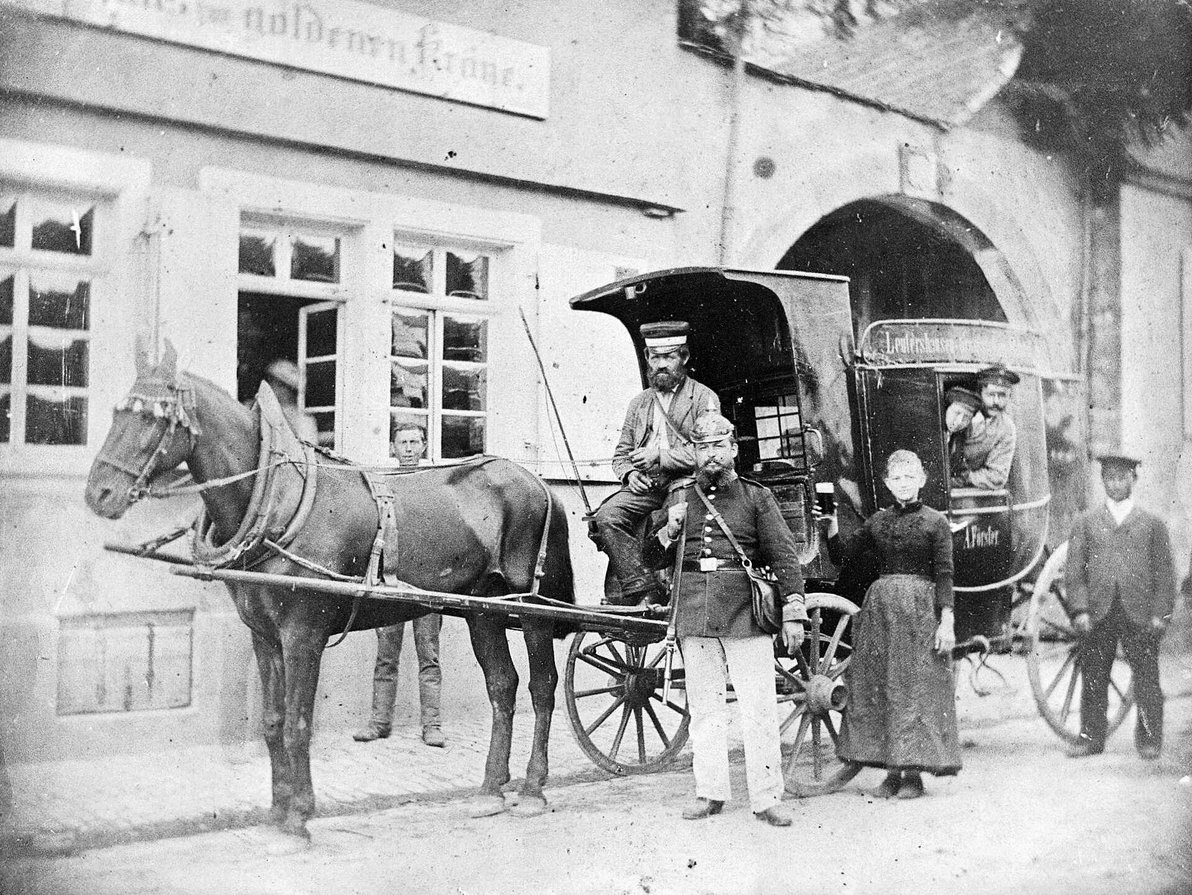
column 344, row 38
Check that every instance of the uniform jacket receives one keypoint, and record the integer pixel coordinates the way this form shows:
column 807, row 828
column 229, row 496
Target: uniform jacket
column 989, row 450
column 692, row 399
column 1131, row 561
column 719, row 604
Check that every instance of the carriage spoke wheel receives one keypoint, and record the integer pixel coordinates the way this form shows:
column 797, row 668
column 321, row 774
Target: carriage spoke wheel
column 614, row 693
column 1054, row 660
column 812, row 693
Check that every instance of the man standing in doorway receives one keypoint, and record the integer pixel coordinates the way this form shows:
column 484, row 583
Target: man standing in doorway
column 654, row 449
column 409, row 444
column 1121, row 588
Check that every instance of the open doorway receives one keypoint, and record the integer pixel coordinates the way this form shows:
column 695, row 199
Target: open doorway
column 302, row 331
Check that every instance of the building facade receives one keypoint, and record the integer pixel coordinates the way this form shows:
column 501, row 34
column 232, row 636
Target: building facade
column 379, row 191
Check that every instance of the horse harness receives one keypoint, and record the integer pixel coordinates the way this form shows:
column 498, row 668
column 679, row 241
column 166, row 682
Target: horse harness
column 282, row 498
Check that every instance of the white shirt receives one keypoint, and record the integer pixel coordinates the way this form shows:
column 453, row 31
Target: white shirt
column 661, row 433
column 1119, row 509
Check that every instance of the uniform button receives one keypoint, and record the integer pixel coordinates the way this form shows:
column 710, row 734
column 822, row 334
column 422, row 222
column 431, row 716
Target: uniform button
column 709, row 517
column 706, row 528
column 707, row 540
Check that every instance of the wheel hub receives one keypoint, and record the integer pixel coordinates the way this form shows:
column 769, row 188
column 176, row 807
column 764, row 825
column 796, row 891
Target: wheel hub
column 825, row 694
column 640, row 687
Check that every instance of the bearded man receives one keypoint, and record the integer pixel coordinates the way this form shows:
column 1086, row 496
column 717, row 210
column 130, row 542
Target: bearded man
column 654, row 450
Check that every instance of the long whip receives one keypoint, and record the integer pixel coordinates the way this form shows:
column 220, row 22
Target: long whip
column 555, row 408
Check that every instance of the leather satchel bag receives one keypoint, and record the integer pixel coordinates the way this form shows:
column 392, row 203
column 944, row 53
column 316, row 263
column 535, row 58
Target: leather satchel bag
column 763, row 584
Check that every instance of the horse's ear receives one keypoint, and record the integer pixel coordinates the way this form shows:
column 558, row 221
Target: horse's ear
column 141, row 355
column 169, row 362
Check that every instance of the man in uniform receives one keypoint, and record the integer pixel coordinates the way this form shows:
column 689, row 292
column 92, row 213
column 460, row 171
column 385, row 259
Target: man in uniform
column 961, row 406
column 714, row 619
column 409, row 444
column 991, row 437
column 1121, row 587
column 654, row 450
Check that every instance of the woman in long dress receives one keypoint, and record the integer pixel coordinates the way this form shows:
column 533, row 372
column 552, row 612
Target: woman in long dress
column 902, row 705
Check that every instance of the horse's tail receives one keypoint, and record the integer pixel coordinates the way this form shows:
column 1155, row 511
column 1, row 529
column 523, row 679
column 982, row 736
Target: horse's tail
column 558, row 580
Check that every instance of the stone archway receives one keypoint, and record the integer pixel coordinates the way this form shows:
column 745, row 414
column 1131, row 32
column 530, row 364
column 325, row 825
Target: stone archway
column 912, row 258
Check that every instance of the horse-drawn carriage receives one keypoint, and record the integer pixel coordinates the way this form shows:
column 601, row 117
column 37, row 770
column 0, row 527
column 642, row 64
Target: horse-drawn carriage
column 490, row 540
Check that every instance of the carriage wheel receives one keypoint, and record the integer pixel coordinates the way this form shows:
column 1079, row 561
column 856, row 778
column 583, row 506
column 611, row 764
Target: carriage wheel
column 614, row 692
column 1053, row 662
column 811, row 685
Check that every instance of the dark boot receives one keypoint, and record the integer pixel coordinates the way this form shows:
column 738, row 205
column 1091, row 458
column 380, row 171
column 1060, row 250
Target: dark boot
column 381, row 722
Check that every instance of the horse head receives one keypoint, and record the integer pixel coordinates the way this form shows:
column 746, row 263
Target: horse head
column 153, row 431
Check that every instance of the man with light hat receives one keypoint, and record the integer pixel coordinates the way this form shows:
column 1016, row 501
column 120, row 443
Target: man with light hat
column 653, row 451
column 714, row 621
column 1121, row 588
column 991, row 437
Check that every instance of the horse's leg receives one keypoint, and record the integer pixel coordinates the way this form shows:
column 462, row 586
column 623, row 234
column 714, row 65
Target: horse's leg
column 544, row 679
column 500, row 678
column 302, row 650
column 273, row 691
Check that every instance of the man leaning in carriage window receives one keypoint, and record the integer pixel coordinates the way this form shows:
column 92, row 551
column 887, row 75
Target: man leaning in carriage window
column 991, row 437
column 654, row 450
column 409, row 445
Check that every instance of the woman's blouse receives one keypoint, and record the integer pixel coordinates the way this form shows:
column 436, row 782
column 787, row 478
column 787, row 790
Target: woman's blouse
column 907, row 540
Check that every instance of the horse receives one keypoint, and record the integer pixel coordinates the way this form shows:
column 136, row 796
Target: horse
column 483, row 529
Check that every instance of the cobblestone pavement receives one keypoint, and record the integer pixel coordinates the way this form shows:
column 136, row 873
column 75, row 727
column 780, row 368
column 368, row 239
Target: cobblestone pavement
column 64, row 806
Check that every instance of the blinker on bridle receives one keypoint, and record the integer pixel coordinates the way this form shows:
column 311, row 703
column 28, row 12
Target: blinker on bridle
column 174, row 409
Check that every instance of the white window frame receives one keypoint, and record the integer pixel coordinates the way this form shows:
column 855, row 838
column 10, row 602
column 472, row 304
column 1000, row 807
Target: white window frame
column 118, row 187
column 511, row 240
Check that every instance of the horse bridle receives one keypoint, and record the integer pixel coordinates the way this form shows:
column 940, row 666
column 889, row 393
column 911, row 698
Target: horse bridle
column 171, row 410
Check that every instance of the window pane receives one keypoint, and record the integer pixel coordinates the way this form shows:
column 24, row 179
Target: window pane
column 320, row 384
column 62, row 227
column 463, row 389
column 5, row 417
column 326, row 425
column 256, row 253
column 6, row 359
column 412, row 268
column 465, row 339
column 320, row 334
column 399, row 421
column 408, row 384
column 60, row 302
column 409, row 333
column 50, row 421
column 6, row 287
column 315, row 258
column 57, row 360
column 467, row 275
column 463, row 436
column 8, row 221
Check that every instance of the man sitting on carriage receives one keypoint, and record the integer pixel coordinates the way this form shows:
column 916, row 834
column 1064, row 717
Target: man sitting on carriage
column 991, row 437
column 654, row 450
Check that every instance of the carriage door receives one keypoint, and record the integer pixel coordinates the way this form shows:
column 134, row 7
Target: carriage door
column 319, row 344
column 901, row 411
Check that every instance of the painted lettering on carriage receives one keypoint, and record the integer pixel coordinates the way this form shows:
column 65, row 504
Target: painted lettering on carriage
column 915, row 342
column 977, row 537
column 338, row 37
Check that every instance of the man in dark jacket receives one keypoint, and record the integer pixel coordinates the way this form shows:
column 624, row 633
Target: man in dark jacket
column 1121, row 587
column 654, row 450
column 714, row 620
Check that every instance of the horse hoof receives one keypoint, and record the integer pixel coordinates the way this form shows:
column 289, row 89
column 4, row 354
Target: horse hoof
column 529, row 806
column 279, row 843
column 487, row 806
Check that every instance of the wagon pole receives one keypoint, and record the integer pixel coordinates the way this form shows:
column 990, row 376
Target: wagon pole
column 510, row 605
column 558, row 418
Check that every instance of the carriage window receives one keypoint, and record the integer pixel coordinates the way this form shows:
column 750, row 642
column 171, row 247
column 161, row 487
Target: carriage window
column 779, row 433
column 48, row 271
column 438, row 364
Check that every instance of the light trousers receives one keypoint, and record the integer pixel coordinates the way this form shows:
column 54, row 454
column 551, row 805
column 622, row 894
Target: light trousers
column 750, row 663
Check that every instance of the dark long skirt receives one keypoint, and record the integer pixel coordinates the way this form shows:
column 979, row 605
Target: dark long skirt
column 902, row 697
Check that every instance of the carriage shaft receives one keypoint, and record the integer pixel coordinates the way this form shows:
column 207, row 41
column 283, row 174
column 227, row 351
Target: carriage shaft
column 513, row 605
